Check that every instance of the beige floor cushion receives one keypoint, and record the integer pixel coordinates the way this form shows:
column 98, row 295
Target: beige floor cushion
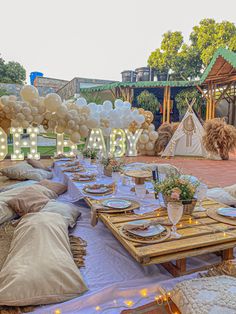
column 67, row 210
column 31, row 201
column 231, row 190
column 6, row 212
column 40, row 268
column 24, row 171
column 214, row 295
column 37, row 164
column 221, row 195
column 57, row 187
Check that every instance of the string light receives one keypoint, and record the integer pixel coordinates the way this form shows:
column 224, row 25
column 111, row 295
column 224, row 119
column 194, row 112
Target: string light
column 98, row 308
column 96, row 140
column 143, row 293
column 57, row 311
column 117, row 142
column 129, row 303
column 3, row 147
column 132, row 140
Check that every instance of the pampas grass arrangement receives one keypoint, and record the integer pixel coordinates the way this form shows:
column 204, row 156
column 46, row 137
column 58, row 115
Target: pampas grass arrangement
column 219, row 138
column 165, row 133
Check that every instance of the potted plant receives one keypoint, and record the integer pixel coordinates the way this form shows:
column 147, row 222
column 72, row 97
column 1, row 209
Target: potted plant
column 177, row 189
column 219, row 137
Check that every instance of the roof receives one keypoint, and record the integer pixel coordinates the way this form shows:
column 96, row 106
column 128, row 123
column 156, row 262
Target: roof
column 141, row 84
column 222, row 62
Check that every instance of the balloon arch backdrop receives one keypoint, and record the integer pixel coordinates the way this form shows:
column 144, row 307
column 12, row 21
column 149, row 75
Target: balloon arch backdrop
column 118, row 128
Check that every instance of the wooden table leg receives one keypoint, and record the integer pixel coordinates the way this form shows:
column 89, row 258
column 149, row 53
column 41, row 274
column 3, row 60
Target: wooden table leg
column 177, row 269
column 227, row 254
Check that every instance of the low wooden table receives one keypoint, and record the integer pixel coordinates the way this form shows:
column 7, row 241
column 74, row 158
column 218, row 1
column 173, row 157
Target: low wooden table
column 200, row 235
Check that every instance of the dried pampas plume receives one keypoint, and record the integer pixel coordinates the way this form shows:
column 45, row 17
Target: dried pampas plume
column 219, row 137
column 165, row 131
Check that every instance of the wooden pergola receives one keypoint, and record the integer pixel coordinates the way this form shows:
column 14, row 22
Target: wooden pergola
column 218, row 82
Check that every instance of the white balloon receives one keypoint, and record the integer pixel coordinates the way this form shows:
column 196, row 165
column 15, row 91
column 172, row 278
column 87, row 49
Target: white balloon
column 144, row 138
column 151, row 127
column 81, row 101
column 127, row 105
column 153, row 135
column 107, row 105
column 118, row 103
column 149, row 146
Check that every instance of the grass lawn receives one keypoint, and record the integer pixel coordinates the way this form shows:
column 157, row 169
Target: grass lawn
column 43, row 150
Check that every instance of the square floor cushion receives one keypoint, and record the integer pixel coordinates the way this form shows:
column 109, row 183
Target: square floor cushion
column 23, row 171
column 214, row 295
column 6, row 212
column 56, row 187
column 37, row 164
column 40, row 268
column 69, row 211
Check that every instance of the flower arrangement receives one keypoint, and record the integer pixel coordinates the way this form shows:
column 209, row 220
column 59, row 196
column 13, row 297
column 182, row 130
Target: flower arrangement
column 110, row 162
column 175, row 188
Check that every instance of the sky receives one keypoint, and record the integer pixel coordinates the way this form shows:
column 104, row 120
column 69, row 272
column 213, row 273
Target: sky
column 96, row 38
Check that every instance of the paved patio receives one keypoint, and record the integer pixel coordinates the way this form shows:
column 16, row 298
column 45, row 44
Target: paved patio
column 215, row 173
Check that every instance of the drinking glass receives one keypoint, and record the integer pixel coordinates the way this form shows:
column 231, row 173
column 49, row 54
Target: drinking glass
column 116, row 178
column 140, row 191
column 201, row 193
column 175, row 212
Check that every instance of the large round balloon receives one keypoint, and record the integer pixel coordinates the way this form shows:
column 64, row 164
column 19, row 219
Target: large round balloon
column 52, row 102
column 29, row 93
column 75, row 137
column 144, row 138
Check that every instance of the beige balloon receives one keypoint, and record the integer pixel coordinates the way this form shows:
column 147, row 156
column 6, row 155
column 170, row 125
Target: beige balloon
column 75, row 137
column 144, row 138
column 153, row 135
column 29, row 92
column 149, row 146
column 52, row 102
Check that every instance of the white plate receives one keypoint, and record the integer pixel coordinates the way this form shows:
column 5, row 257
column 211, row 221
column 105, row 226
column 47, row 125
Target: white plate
column 97, row 191
column 116, row 203
column 151, row 231
column 227, row 212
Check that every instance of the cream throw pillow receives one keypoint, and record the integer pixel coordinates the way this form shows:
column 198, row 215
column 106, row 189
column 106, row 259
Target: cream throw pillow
column 39, row 268
column 6, row 212
column 23, row 171
column 69, row 211
column 215, row 295
column 57, row 187
column 231, row 190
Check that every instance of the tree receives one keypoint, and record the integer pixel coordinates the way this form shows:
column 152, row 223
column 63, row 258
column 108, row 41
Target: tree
column 187, row 61
column 209, row 35
column 11, row 72
column 186, row 96
column 148, row 101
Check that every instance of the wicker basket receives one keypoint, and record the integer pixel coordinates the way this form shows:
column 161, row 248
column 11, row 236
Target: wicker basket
column 188, row 205
column 108, row 171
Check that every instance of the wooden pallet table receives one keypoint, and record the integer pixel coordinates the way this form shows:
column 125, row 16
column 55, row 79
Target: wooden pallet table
column 200, row 235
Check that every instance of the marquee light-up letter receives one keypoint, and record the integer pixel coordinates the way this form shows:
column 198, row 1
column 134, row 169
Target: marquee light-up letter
column 132, row 140
column 3, row 144
column 117, row 142
column 33, row 141
column 96, row 141
column 61, row 143
column 17, row 154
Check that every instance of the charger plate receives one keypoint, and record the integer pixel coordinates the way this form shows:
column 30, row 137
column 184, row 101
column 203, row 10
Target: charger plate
column 150, row 240
column 212, row 213
column 134, row 205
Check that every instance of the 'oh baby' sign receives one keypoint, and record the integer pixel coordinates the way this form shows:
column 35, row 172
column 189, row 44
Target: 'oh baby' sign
column 119, row 143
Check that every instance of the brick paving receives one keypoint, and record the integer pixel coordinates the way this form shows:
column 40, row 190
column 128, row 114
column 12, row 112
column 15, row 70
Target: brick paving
column 215, row 173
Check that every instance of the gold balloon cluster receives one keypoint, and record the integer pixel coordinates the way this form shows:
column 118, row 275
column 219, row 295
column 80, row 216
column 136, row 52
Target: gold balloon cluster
column 146, row 143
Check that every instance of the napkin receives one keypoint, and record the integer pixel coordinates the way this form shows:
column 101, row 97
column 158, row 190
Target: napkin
column 143, row 225
column 94, row 217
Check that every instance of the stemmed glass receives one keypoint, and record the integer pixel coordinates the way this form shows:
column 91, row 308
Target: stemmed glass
column 116, row 178
column 140, row 191
column 175, row 212
column 201, row 193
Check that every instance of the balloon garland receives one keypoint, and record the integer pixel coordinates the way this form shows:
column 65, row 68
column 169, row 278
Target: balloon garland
column 74, row 117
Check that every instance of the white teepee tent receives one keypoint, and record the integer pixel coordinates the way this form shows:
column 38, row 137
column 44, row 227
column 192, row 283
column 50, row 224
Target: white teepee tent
column 187, row 139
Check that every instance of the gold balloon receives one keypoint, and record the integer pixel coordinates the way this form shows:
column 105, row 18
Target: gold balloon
column 133, row 127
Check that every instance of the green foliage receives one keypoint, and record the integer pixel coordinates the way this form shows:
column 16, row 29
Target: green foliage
column 3, row 92
column 92, row 97
column 148, row 101
column 188, row 60
column 11, row 72
column 189, row 94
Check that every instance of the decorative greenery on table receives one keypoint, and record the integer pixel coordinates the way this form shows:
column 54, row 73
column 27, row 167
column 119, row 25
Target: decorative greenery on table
column 90, row 153
column 176, row 188
column 148, row 101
